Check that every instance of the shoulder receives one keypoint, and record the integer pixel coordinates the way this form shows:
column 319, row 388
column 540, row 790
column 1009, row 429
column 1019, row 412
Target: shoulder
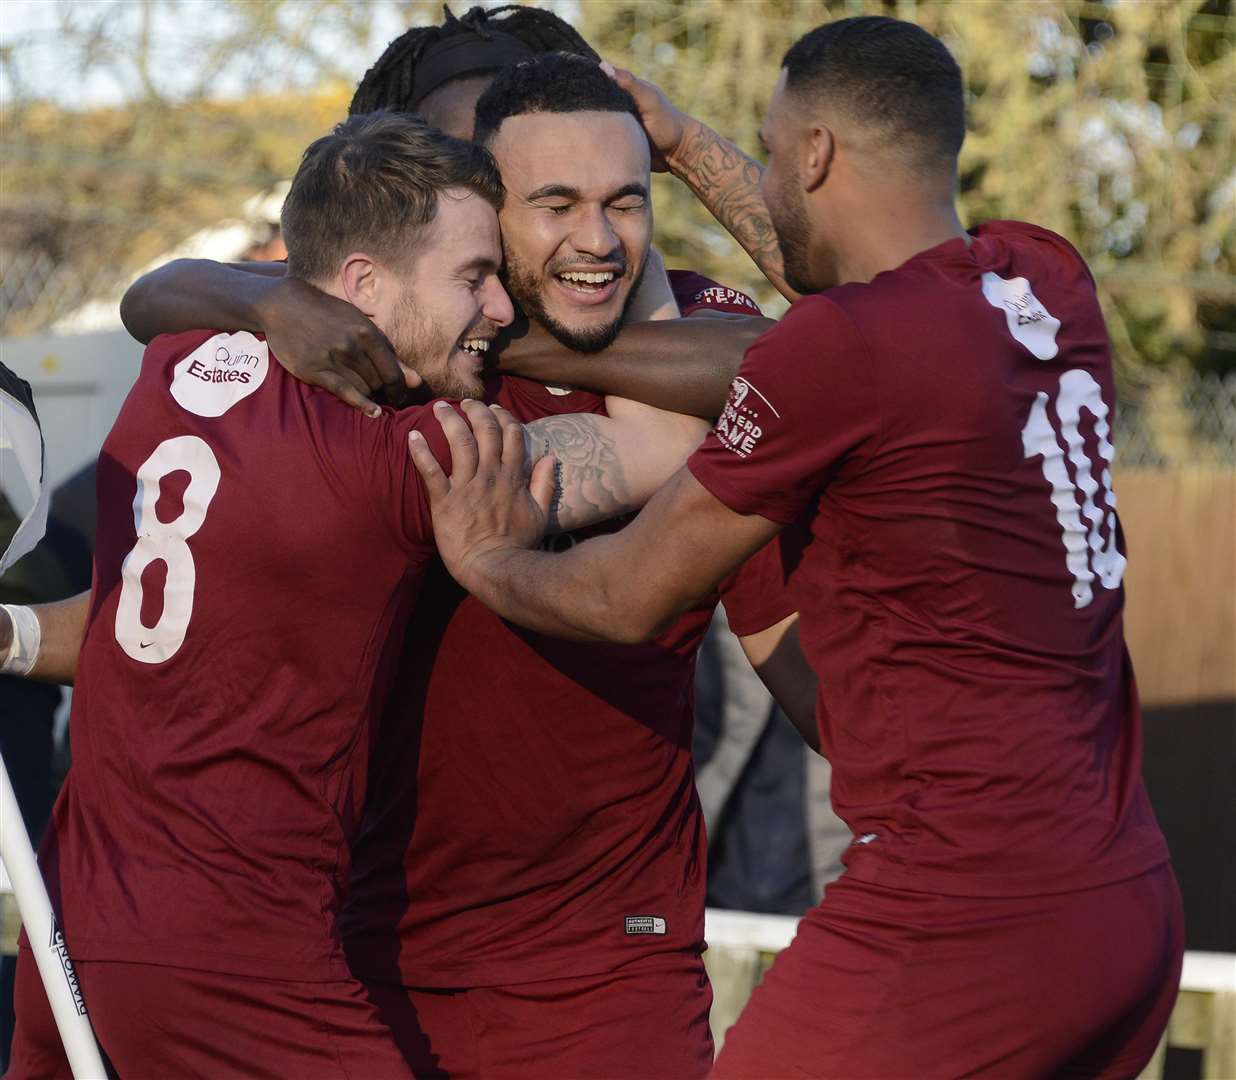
column 527, row 400
column 1025, row 239
column 694, row 291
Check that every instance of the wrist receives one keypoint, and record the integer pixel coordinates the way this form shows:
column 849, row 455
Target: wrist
column 262, row 300
column 20, row 638
column 679, row 159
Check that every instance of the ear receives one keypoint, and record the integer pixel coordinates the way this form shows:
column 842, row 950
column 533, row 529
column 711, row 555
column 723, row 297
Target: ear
column 816, row 156
column 362, row 280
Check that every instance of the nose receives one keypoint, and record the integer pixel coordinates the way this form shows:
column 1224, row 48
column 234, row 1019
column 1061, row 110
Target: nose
column 593, row 234
column 495, row 304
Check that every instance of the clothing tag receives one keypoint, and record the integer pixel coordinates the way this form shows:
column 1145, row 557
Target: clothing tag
column 645, row 924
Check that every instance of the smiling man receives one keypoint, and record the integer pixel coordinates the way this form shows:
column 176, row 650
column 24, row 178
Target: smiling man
column 199, row 852
column 937, row 405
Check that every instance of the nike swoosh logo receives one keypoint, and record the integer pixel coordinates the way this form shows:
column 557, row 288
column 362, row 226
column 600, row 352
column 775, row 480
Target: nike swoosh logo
column 144, row 644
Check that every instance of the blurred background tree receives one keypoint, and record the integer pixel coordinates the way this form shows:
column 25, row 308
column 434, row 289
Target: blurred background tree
column 129, row 125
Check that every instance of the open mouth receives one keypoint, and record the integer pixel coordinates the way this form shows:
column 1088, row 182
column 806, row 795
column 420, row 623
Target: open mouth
column 588, row 287
column 478, row 347
column 586, row 281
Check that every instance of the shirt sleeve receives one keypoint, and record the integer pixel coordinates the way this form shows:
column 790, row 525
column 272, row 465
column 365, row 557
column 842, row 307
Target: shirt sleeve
column 694, row 292
column 402, row 498
column 758, row 595
column 802, row 405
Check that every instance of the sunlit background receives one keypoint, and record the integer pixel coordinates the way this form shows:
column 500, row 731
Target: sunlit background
column 134, row 131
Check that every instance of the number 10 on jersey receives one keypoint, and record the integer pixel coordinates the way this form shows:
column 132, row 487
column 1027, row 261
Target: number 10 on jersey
column 1085, row 553
column 165, row 541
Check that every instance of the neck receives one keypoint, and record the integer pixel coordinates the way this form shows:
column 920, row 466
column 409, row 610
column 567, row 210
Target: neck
column 882, row 233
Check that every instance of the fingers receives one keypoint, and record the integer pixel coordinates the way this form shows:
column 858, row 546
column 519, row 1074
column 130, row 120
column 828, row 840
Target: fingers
column 384, row 362
column 349, row 387
column 543, row 484
column 514, row 446
column 411, row 377
column 459, row 437
column 487, row 433
column 432, row 476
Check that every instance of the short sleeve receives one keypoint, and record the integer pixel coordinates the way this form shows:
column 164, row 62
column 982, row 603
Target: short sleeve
column 694, row 292
column 402, row 500
column 803, row 403
column 758, row 595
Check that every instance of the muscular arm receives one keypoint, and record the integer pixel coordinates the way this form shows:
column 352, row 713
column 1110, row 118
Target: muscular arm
column 678, row 365
column 610, row 465
column 62, row 625
column 192, row 294
column 727, row 182
column 778, row 659
column 320, row 339
column 623, row 587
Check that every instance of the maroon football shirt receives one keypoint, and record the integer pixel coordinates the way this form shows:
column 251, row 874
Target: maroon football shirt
column 239, row 640
column 948, row 429
column 544, row 821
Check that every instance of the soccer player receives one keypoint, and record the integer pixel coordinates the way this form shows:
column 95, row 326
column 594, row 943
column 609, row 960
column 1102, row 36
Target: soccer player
column 938, row 407
column 199, row 852
column 528, row 887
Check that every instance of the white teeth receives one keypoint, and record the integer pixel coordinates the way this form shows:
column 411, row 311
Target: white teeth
column 476, row 345
column 588, row 279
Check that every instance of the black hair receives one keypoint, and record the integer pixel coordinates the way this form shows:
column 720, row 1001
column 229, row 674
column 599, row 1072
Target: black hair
column 392, row 82
column 553, row 83
column 887, row 74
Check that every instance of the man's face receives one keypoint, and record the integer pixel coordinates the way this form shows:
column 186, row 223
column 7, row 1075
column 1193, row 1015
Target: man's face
column 577, row 221
column 783, row 193
column 442, row 313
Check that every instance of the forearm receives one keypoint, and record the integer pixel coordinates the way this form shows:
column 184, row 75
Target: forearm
column 606, row 466
column 679, row 365
column 192, row 294
column 727, row 182
column 62, row 625
column 578, row 595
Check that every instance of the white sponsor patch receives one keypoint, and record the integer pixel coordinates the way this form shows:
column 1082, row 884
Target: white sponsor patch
column 220, row 372
column 745, row 419
column 1029, row 321
column 644, row 924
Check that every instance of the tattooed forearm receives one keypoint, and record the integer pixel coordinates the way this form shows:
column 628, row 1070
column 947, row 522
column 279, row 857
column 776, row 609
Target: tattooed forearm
column 589, row 482
column 727, row 182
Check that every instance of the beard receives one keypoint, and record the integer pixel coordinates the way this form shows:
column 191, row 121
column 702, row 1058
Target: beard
column 428, row 349
column 789, row 221
column 524, row 286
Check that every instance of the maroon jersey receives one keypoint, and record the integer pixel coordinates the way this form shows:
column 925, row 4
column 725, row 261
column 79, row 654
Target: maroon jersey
column 259, row 547
column 545, row 824
column 947, row 427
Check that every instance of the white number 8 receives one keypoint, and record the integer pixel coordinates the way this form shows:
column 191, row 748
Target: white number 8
column 166, row 541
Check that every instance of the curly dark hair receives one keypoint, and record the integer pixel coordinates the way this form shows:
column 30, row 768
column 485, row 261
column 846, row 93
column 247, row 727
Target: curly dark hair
column 553, row 83
column 391, row 82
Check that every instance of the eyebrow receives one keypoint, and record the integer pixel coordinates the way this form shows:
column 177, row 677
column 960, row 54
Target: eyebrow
column 565, row 191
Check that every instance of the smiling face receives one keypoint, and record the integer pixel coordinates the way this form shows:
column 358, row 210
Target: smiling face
column 577, row 221
column 441, row 314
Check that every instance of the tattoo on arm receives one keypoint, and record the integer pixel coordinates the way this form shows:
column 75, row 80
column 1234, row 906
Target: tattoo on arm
column 727, row 182
column 589, row 482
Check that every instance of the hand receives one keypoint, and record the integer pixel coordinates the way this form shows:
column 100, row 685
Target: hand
column 490, row 502
column 665, row 125
column 327, row 342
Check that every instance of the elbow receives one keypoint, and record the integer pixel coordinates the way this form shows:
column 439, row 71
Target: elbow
column 131, row 306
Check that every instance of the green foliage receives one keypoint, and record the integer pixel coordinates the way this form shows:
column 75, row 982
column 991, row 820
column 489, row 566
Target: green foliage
column 1109, row 122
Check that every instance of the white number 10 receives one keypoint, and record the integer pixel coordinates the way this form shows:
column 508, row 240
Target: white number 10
column 1086, row 555
column 166, row 541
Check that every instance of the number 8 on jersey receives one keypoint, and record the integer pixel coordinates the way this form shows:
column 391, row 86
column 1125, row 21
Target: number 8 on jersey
column 165, row 541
